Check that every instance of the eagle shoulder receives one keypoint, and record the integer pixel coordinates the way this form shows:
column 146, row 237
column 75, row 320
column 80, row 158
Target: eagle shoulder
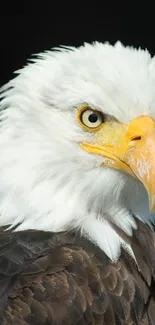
column 60, row 278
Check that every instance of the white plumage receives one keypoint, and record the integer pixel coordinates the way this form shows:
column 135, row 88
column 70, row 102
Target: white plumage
column 46, row 180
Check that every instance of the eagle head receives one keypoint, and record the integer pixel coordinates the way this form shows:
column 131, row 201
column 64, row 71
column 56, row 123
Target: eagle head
column 77, row 143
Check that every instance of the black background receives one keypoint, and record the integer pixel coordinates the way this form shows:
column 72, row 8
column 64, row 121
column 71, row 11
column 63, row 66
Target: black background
column 23, row 35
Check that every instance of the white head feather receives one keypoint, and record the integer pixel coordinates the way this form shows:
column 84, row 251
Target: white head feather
column 46, row 181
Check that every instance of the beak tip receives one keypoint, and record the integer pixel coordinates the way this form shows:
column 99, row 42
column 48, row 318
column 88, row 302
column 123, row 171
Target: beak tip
column 152, row 204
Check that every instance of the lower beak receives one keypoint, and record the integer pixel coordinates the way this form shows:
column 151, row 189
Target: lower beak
column 133, row 153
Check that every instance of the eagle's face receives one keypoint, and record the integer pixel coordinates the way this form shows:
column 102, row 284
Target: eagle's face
column 77, row 143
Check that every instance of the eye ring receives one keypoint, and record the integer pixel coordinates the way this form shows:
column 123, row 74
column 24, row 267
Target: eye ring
column 89, row 118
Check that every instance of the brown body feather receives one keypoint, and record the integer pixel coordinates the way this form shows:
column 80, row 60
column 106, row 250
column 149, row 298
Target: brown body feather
column 60, row 279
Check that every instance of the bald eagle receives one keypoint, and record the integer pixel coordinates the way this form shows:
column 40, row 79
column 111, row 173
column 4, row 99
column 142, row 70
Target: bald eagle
column 77, row 188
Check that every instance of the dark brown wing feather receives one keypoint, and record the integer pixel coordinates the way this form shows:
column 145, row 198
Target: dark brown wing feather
column 61, row 279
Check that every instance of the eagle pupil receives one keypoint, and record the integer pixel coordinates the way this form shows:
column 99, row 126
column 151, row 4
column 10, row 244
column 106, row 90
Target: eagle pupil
column 93, row 118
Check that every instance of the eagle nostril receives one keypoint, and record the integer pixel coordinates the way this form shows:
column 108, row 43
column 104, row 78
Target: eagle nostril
column 136, row 138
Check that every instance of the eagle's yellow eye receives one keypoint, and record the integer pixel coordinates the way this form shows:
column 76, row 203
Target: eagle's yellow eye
column 90, row 119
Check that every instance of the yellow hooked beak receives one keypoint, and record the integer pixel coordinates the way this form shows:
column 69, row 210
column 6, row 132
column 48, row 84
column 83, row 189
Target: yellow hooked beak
column 130, row 149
